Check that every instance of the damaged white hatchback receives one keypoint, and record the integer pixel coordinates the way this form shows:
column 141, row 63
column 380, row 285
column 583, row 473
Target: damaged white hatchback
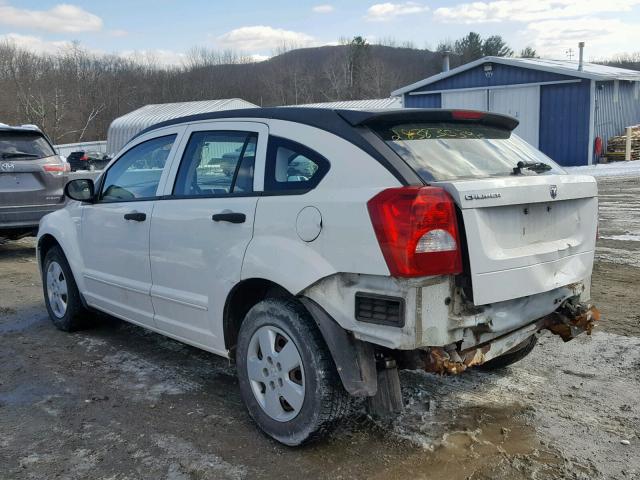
column 324, row 250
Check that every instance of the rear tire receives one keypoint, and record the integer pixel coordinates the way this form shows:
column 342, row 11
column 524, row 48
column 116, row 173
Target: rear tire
column 61, row 295
column 292, row 392
column 514, row 355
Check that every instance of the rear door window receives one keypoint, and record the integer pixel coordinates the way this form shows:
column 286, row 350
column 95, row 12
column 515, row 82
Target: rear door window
column 23, row 146
column 292, row 166
column 448, row 151
column 217, row 163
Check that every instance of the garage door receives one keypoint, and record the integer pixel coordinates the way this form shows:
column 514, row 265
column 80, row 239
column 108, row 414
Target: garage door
column 469, row 99
column 522, row 103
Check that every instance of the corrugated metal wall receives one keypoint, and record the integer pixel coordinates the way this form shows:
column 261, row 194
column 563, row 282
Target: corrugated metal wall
column 122, row 129
column 423, row 101
column 612, row 117
column 500, row 75
column 564, row 122
column 371, row 103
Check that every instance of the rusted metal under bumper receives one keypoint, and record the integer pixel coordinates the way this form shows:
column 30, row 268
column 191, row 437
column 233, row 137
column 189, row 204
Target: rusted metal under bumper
column 569, row 321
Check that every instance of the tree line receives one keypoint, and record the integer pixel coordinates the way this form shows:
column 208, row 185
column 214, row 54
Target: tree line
column 73, row 95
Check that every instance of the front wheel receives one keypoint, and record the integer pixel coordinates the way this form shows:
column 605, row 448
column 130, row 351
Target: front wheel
column 287, row 378
column 61, row 295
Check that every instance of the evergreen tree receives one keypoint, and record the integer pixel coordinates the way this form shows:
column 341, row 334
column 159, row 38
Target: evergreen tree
column 495, row 46
column 469, row 48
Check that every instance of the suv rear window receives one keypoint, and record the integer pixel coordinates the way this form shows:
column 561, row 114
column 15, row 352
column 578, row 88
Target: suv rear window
column 447, row 151
column 24, row 145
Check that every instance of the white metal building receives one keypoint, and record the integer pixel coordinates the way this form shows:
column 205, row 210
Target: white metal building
column 123, row 128
column 368, row 104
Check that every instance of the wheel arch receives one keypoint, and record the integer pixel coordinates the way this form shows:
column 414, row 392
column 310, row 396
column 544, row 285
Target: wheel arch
column 45, row 243
column 59, row 229
column 353, row 358
column 240, row 299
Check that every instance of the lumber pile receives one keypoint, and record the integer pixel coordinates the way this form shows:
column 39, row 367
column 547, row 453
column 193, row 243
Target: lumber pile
column 616, row 146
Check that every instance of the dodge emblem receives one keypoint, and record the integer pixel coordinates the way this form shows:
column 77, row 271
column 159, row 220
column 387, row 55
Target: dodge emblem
column 553, row 191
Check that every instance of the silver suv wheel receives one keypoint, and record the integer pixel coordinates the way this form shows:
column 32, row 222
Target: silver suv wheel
column 276, row 373
column 57, row 292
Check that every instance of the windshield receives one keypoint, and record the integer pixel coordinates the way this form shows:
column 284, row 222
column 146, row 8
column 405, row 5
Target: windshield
column 447, row 151
column 24, row 145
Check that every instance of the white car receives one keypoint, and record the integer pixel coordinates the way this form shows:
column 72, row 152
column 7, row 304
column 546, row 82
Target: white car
column 342, row 246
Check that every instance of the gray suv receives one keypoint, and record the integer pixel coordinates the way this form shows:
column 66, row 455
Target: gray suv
column 32, row 180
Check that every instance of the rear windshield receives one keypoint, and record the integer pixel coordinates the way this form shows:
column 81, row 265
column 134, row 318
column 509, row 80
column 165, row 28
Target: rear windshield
column 447, row 151
column 24, row 145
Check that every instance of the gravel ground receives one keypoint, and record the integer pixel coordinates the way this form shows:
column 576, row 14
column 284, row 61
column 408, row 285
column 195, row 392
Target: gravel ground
column 119, row 402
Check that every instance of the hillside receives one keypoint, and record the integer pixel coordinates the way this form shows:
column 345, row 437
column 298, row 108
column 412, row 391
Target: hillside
column 75, row 95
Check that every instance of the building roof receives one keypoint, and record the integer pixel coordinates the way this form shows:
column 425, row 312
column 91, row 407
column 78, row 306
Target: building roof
column 591, row 71
column 368, row 104
column 123, row 128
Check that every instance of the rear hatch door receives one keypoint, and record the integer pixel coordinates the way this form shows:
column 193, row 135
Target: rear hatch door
column 23, row 178
column 529, row 226
column 527, row 234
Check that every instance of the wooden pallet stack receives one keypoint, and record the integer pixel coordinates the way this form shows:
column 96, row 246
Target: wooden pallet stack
column 616, row 146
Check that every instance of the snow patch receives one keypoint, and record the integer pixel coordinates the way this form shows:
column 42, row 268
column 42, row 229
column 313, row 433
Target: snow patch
column 148, row 379
column 617, row 169
column 627, row 237
column 192, row 463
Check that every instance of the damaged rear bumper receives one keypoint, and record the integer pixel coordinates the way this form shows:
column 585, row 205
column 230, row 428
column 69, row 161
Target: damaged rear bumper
column 568, row 321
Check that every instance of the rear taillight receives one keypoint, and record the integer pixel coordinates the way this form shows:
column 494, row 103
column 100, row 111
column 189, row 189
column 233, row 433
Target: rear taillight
column 84, row 158
column 57, row 168
column 417, row 231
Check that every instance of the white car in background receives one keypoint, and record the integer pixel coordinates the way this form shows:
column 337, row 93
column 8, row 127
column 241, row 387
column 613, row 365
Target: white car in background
column 339, row 247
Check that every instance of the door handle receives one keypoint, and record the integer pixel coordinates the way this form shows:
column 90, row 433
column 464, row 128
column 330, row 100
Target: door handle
column 135, row 216
column 231, row 217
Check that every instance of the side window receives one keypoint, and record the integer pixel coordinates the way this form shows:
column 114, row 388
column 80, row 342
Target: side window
column 136, row 174
column 217, row 163
column 292, row 166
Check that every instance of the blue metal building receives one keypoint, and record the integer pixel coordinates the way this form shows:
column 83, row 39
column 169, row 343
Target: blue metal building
column 562, row 106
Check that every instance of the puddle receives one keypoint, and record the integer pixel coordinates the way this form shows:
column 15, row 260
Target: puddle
column 477, row 442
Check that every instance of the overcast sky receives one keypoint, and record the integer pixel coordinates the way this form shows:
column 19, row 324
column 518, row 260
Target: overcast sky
column 168, row 28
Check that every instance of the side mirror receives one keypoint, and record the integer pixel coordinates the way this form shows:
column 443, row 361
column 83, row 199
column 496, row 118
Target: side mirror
column 81, row 190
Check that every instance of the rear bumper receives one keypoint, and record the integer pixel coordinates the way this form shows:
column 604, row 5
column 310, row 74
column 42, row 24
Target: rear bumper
column 27, row 216
column 569, row 321
column 434, row 312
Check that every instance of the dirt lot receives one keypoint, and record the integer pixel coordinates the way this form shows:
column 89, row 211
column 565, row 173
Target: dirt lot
column 119, row 402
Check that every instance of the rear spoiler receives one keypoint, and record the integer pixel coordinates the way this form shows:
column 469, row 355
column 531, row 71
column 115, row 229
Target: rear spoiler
column 406, row 115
